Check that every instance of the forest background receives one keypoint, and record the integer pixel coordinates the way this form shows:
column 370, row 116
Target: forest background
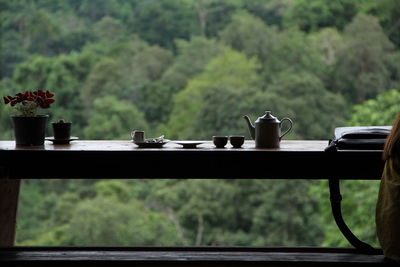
column 190, row 69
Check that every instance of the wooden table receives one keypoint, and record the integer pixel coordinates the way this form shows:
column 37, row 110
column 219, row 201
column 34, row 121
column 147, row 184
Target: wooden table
column 123, row 159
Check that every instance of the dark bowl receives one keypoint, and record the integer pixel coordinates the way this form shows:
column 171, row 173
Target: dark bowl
column 236, row 140
column 220, row 141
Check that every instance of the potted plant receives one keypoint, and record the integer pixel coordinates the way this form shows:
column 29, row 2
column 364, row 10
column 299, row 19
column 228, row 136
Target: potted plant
column 29, row 127
column 62, row 129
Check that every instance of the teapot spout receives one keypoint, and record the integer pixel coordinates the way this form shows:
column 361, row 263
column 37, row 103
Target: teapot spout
column 252, row 130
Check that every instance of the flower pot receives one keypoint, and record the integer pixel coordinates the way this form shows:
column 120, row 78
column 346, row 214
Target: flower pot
column 29, row 131
column 62, row 130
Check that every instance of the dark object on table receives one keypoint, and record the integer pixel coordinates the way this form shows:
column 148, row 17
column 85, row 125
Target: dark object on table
column 152, row 142
column 57, row 141
column 236, row 140
column 189, row 144
column 220, row 141
column 29, row 131
column 359, row 138
column 62, row 129
column 267, row 130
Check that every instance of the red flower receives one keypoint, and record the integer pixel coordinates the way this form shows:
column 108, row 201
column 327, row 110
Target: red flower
column 7, row 99
column 39, row 98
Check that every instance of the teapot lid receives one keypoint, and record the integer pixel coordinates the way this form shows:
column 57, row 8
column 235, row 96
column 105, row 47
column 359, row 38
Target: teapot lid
column 267, row 117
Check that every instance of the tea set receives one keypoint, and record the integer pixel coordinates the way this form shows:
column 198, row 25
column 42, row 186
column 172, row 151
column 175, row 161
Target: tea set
column 62, row 133
column 266, row 132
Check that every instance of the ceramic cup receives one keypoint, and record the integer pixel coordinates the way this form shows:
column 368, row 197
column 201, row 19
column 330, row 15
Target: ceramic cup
column 220, row 141
column 137, row 136
column 62, row 130
column 236, row 140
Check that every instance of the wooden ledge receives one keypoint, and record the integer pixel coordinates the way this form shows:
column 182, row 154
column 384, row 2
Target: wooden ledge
column 182, row 256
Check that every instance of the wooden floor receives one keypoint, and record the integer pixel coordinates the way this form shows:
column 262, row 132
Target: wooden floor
column 24, row 256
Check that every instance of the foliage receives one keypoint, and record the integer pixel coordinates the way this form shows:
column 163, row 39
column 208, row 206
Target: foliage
column 311, row 16
column 295, row 53
column 362, row 70
column 358, row 209
column 125, row 71
column 192, row 69
column 359, row 197
column 286, row 98
column 110, row 118
column 192, row 56
column 161, row 22
column 229, row 70
column 380, row 111
column 29, row 102
column 249, row 34
column 272, row 12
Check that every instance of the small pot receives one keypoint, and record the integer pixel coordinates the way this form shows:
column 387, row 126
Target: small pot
column 62, row 130
column 29, row 131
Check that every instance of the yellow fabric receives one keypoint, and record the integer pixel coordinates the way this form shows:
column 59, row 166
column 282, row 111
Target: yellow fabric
column 388, row 210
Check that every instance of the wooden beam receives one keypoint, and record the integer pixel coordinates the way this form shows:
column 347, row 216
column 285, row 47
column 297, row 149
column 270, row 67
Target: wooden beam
column 9, row 192
column 31, row 256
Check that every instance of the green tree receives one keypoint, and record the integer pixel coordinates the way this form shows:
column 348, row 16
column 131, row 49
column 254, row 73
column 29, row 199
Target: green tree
column 362, row 71
column 11, row 53
column 95, row 10
column 111, row 118
column 328, row 42
column 161, row 22
column 294, row 52
column 387, row 11
column 271, row 12
column 311, row 16
column 223, row 107
column 197, row 208
column 249, row 34
column 229, row 70
column 213, row 15
column 125, row 70
column 358, row 209
column 63, row 75
column 379, row 111
column 155, row 101
column 107, row 222
column 286, row 95
column 239, row 212
column 192, row 56
column 359, row 197
column 6, row 130
column 109, row 30
column 40, row 31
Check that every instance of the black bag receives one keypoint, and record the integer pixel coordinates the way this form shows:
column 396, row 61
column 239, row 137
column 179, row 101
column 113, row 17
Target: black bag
column 359, row 138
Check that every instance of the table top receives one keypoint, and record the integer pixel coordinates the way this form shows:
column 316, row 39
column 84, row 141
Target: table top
column 121, row 145
column 295, row 159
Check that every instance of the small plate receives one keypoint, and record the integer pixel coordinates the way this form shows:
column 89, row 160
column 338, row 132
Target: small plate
column 188, row 144
column 151, row 144
column 61, row 141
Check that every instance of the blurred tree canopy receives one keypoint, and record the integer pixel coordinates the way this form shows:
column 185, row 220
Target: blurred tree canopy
column 190, row 69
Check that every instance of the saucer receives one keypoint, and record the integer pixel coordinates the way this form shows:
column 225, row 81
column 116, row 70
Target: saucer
column 188, row 144
column 150, row 144
column 61, row 141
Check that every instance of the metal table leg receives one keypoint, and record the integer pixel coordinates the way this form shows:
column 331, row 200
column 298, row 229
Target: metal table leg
column 335, row 199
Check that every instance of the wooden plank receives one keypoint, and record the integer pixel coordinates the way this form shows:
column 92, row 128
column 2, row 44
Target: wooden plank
column 122, row 159
column 187, row 256
column 9, row 192
column 120, row 145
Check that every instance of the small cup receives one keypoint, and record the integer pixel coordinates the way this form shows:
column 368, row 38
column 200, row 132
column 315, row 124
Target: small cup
column 137, row 136
column 236, row 140
column 220, row 141
column 62, row 130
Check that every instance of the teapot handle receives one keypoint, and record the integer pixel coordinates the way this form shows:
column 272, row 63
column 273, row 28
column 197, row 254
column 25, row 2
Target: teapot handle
column 288, row 130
